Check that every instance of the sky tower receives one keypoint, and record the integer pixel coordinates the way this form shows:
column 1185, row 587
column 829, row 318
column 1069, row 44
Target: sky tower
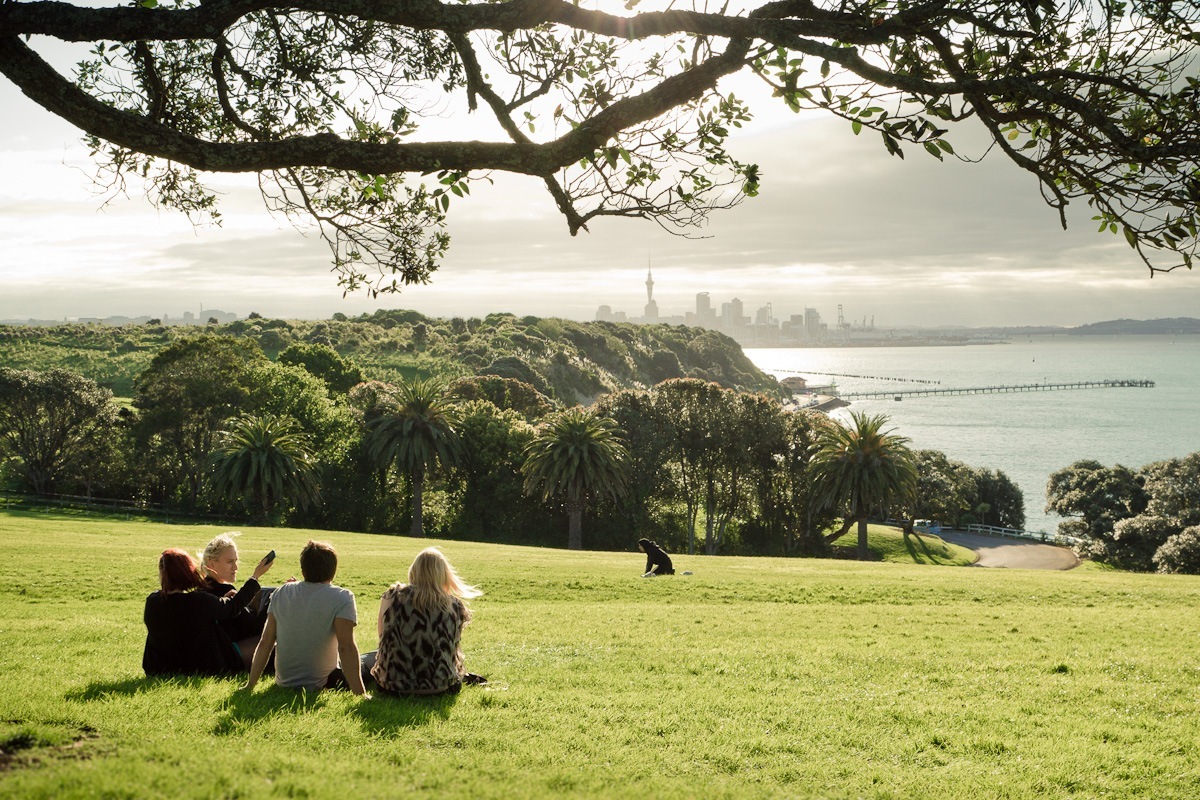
column 651, row 314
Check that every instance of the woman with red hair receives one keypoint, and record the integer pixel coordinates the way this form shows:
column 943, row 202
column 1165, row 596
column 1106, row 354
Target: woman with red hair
column 182, row 635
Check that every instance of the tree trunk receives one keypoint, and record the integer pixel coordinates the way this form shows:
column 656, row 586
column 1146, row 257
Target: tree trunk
column 38, row 482
column 418, row 494
column 840, row 532
column 710, row 543
column 575, row 526
column 692, row 512
column 722, row 526
column 862, row 540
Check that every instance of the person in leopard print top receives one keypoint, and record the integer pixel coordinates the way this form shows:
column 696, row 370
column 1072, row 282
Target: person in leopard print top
column 420, row 629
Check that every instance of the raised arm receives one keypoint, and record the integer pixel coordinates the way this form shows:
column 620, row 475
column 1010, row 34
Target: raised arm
column 236, row 602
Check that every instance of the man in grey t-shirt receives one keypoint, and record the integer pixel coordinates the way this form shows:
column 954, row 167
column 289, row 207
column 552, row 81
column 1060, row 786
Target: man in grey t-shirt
column 310, row 624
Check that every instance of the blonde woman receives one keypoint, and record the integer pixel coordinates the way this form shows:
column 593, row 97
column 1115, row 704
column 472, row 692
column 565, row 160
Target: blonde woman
column 420, row 627
column 219, row 566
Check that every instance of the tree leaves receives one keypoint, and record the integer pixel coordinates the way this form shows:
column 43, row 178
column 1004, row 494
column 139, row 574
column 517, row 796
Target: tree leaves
column 616, row 114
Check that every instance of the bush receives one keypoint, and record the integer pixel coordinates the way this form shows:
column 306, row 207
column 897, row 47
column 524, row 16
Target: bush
column 1136, row 540
column 1180, row 553
column 664, row 365
column 272, row 340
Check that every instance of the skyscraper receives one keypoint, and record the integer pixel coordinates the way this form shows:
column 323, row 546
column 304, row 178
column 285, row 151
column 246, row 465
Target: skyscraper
column 651, row 314
column 706, row 315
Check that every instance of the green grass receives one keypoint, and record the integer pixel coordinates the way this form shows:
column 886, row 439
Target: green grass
column 751, row 678
column 888, row 543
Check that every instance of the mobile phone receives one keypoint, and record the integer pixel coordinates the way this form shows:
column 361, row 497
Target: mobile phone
column 269, row 557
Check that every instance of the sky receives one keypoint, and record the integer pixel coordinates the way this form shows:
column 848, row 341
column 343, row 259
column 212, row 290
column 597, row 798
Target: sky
column 837, row 222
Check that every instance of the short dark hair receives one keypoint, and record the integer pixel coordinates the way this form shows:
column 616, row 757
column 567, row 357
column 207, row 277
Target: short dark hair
column 318, row 562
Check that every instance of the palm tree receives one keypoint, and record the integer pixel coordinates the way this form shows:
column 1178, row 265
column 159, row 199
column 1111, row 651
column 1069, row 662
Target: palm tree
column 265, row 461
column 576, row 455
column 860, row 468
column 414, row 429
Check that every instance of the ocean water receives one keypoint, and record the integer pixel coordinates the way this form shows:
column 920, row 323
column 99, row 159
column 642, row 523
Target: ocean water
column 1027, row 435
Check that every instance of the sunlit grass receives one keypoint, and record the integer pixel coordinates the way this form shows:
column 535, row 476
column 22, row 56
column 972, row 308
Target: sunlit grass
column 750, row 678
column 888, row 543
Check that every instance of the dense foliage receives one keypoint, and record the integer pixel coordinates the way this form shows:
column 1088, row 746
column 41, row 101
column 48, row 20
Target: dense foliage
column 616, row 111
column 218, row 424
column 53, row 423
column 1144, row 519
column 957, row 495
column 564, row 360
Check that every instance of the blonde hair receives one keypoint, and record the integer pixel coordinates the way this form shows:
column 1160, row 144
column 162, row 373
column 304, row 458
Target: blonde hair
column 433, row 581
column 213, row 549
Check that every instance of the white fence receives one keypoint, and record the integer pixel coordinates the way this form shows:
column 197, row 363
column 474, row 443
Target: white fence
column 1040, row 536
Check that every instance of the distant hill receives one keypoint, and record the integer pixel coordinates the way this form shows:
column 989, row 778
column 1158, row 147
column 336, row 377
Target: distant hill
column 1127, row 327
column 565, row 360
column 1112, row 327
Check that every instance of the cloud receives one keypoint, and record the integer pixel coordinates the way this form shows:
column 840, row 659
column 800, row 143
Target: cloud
column 838, row 222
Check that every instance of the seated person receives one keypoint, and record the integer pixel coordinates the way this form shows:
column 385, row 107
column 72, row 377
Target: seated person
column 219, row 565
column 420, row 627
column 182, row 635
column 657, row 560
column 310, row 626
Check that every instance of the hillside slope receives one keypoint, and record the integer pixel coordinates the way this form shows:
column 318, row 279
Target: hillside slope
column 565, row 360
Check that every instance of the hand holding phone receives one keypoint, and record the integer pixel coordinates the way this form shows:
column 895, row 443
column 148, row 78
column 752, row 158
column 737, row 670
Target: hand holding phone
column 264, row 565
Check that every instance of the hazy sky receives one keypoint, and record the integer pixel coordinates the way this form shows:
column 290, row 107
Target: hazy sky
column 837, row 222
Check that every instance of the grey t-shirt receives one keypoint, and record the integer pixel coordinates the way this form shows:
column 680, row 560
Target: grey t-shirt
column 305, row 643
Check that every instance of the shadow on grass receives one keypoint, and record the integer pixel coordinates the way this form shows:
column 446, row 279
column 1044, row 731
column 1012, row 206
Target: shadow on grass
column 386, row 713
column 102, row 690
column 919, row 550
column 243, row 709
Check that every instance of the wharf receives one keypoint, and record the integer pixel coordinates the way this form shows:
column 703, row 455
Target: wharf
column 815, row 402
column 1027, row 387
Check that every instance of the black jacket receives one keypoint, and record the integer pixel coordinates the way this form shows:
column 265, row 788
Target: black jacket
column 657, row 557
column 182, row 634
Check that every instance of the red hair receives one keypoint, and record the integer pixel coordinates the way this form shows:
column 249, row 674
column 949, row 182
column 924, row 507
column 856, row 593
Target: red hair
column 177, row 571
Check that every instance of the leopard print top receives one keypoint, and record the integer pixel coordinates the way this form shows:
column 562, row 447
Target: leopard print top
column 418, row 651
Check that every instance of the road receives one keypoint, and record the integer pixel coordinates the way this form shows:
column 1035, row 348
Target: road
column 1001, row 551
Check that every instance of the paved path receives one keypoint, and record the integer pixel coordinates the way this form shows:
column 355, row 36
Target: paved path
column 1002, row 551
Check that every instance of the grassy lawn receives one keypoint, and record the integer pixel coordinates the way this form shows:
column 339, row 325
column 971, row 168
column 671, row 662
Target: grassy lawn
column 751, row 678
column 889, row 543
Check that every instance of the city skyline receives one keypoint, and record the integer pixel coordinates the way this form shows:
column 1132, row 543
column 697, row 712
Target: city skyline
column 731, row 318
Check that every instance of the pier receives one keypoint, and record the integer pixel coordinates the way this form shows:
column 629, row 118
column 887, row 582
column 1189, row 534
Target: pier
column 1025, row 387
column 851, row 375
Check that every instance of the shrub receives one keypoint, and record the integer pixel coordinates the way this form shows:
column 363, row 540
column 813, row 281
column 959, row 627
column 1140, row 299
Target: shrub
column 1180, row 553
column 1136, row 540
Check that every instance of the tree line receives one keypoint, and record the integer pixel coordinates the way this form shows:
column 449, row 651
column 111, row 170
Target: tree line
column 215, row 426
